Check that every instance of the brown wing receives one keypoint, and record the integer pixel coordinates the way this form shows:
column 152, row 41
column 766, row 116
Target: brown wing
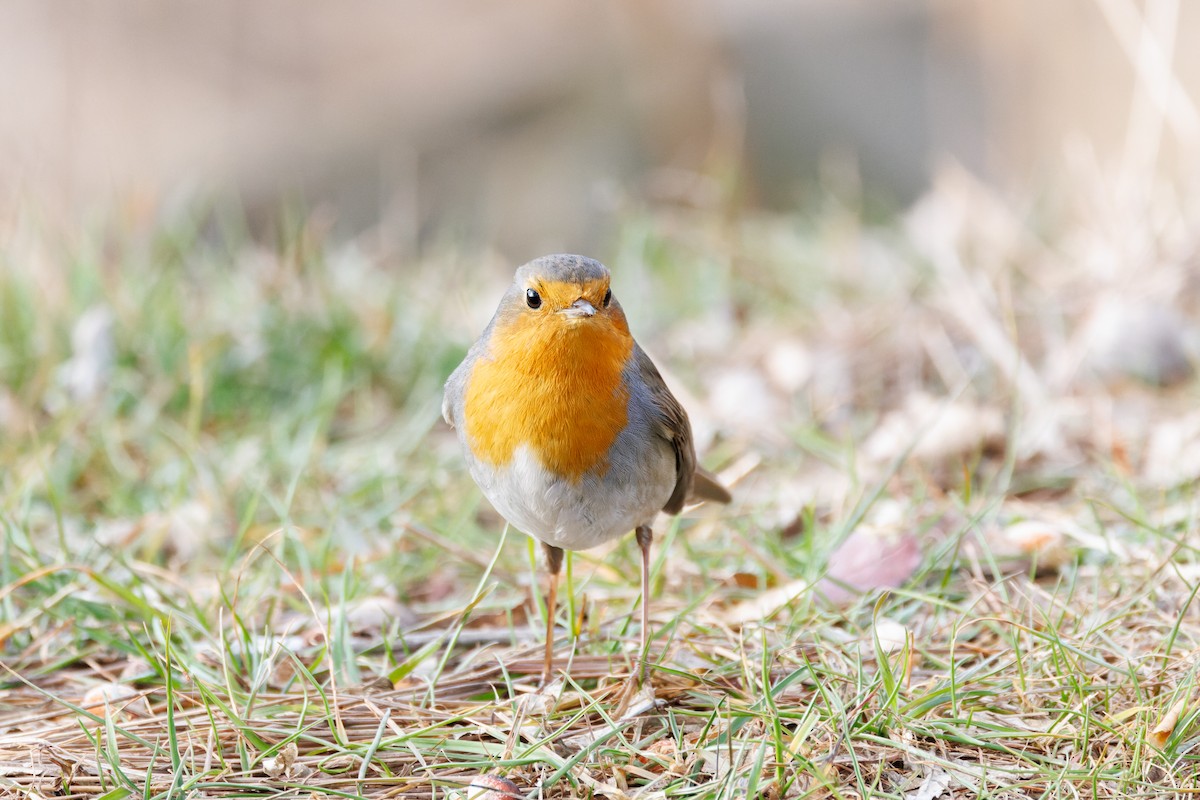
column 690, row 480
column 673, row 426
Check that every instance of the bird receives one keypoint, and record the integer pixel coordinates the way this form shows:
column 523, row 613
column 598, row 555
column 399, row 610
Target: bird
column 567, row 426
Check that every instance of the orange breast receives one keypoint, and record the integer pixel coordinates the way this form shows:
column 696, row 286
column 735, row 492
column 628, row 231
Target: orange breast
column 553, row 385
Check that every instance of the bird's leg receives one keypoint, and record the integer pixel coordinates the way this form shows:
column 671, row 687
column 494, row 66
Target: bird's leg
column 554, row 559
column 644, row 537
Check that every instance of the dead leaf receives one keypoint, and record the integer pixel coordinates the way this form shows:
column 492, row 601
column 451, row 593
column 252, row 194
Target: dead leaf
column 869, row 559
column 1173, row 455
column 370, row 614
column 600, row 788
column 1041, row 539
column 765, row 604
column 492, row 787
column 641, row 702
column 111, row 697
column 664, row 748
column 935, row 784
column 283, row 765
column 882, row 553
column 935, row 431
column 86, row 372
column 744, row 580
column 1142, row 339
column 890, row 634
column 1162, row 731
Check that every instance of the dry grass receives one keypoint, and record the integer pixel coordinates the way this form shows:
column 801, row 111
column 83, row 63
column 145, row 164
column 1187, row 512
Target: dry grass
column 241, row 556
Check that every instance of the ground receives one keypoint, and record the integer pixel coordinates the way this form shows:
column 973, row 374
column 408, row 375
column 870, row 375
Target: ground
column 242, row 557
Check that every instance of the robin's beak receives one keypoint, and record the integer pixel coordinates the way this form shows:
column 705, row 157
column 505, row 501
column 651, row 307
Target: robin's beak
column 580, row 309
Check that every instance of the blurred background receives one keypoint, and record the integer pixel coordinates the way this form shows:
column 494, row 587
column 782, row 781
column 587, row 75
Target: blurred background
column 831, row 224
column 522, row 125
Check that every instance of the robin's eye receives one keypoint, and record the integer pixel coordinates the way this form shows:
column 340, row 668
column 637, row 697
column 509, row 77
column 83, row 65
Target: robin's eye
column 532, row 298
column 607, row 297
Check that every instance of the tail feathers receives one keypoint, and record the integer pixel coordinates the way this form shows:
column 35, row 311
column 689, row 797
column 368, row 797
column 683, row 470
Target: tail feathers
column 706, row 487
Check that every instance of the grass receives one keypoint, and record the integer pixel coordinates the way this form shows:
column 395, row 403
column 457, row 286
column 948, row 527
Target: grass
column 246, row 559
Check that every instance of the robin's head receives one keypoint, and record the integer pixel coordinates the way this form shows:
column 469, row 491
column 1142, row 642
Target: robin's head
column 558, row 293
column 552, row 376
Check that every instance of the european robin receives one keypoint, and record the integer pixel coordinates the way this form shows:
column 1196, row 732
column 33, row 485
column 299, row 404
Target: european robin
column 566, row 424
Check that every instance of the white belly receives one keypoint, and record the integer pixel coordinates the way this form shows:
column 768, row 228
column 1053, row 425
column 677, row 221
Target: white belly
column 583, row 514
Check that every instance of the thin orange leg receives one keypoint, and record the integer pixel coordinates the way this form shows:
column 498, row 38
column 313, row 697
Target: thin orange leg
column 554, row 559
column 644, row 537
